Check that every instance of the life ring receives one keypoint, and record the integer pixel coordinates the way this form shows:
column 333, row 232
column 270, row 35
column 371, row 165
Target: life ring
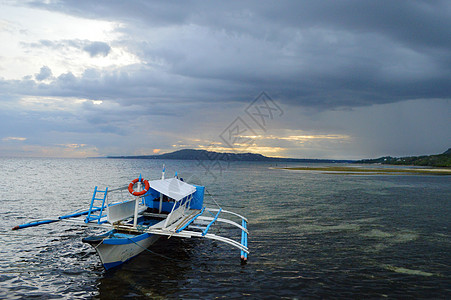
column 146, row 187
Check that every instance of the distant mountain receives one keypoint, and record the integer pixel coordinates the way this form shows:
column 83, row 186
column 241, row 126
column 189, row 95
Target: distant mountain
column 191, row 154
column 438, row 160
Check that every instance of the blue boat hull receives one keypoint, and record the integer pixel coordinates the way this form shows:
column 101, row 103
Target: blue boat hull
column 115, row 248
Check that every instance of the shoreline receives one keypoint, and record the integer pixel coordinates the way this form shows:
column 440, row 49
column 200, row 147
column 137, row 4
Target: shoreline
column 371, row 171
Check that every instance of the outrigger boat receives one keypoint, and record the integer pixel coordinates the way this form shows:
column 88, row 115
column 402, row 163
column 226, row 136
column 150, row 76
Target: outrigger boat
column 152, row 209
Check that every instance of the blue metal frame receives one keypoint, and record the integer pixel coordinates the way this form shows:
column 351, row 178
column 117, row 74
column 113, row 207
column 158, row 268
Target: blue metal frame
column 211, row 223
column 37, row 223
column 244, row 239
column 92, row 208
column 190, row 221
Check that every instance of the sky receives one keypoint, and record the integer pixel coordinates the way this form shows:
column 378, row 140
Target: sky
column 301, row 79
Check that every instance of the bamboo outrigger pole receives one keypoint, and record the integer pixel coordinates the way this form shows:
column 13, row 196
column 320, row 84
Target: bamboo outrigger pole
column 42, row 222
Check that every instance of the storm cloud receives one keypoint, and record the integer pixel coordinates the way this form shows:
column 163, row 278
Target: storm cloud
column 325, row 54
column 313, row 57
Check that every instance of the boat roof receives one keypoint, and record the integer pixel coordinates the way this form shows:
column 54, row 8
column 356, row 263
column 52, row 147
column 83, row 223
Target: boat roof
column 173, row 188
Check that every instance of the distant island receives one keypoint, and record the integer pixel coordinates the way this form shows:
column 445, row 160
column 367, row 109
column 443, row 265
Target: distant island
column 191, row 154
column 437, row 160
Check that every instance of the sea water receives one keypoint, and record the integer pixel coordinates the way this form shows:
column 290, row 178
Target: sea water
column 312, row 235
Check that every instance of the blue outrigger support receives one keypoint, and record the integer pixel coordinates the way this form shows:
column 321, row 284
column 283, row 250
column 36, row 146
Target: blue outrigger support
column 242, row 245
column 211, row 223
column 191, row 221
column 244, row 242
column 42, row 222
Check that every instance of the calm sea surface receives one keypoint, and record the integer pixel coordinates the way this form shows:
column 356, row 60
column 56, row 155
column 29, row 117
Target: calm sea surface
column 312, row 235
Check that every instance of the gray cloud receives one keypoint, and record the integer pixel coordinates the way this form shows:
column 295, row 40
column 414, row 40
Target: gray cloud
column 317, row 56
column 325, row 54
column 93, row 48
column 97, row 48
column 44, row 73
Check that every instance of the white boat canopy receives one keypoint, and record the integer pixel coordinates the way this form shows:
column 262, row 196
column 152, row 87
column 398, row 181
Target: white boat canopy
column 173, row 188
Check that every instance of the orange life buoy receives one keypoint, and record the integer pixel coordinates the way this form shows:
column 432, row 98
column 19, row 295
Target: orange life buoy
column 146, row 187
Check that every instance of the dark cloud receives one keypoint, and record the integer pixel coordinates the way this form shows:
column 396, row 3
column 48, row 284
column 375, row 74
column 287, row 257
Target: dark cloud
column 320, row 56
column 312, row 53
column 326, row 54
column 97, row 48
column 44, row 73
